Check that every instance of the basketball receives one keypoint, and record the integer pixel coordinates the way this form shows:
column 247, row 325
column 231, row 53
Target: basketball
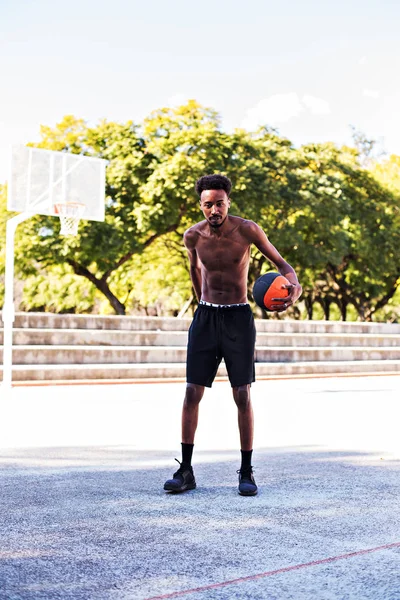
column 267, row 287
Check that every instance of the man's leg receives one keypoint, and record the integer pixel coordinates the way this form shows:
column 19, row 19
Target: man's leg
column 190, row 412
column 184, row 479
column 241, row 394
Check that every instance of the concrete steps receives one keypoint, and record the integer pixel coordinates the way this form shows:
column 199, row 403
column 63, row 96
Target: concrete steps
column 50, row 347
column 96, row 322
column 112, row 338
column 71, row 355
column 176, row 371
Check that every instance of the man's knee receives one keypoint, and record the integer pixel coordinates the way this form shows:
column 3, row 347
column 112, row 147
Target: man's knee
column 194, row 393
column 241, row 395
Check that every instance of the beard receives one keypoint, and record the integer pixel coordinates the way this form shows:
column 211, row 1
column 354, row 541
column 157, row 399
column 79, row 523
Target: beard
column 216, row 223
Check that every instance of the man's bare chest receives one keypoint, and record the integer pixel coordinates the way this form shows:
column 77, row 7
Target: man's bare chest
column 222, row 253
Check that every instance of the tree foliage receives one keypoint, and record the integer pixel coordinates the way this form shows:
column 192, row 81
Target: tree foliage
column 387, row 172
column 4, row 215
column 353, row 228
column 336, row 221
column 58, row 290
column 150, row 189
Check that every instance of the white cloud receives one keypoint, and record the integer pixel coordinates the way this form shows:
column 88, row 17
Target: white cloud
column 273, row 110
column 177, row 100
column 362, row 60
column 317, row 106
column 371, row 93
column 280, row 108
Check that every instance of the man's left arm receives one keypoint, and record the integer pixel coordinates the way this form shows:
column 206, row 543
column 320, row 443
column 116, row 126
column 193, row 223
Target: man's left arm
column 260, row 240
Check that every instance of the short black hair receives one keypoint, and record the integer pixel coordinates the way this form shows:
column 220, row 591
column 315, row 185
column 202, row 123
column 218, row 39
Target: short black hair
column 213, row 182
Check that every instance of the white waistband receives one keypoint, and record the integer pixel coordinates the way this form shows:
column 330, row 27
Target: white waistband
column 204, row 303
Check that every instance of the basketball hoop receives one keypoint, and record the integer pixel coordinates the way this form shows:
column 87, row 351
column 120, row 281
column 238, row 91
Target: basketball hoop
column 70, row 214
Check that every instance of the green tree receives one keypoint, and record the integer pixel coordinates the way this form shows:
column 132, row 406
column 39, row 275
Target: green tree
column 329, row 218
column 349, row 232
column 335, row 221
column 365, row 148
column 387, row 172
column 57, row 289
column 150, row 179
column 4, row 215
column 156, row 281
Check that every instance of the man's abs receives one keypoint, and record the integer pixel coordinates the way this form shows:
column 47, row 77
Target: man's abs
column 226, row 286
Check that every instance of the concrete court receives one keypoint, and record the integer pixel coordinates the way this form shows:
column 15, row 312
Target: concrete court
column 83, row 514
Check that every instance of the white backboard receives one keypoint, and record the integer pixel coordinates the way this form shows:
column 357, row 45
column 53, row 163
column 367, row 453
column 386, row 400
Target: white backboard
column 39, row 179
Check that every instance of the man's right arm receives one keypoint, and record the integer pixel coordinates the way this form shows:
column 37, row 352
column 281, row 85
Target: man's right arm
column 189, row 239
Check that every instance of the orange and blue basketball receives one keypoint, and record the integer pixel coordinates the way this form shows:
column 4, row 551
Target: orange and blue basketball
column 267, row 287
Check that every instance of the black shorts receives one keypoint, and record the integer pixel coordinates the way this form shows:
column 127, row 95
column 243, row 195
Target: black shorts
column 216, row 333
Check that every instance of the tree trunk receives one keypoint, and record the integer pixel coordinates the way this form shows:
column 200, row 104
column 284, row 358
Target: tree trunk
column 343, row 309
column 361, row 311
column 101, row 285
column 383, row 300
column 326, row 307
column 308, row 301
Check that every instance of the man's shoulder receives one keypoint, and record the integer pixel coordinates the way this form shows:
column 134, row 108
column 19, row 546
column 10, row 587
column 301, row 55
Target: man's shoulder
column 241, row 221
column 246, row 227
column 192, row 234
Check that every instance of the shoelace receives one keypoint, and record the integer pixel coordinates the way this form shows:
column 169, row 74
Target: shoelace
column 246, row 472
column 181, row 469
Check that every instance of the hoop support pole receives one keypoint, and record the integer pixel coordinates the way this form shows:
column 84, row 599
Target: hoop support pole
column 8, row 315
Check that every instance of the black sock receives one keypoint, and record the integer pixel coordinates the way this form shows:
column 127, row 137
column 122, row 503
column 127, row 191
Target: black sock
column 246, row 459
column 187, row 451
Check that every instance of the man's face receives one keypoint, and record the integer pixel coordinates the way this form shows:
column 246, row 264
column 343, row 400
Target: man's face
column 215, row 205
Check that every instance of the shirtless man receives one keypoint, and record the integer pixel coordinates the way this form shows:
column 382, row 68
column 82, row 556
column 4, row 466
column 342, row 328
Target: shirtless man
column 223, row 324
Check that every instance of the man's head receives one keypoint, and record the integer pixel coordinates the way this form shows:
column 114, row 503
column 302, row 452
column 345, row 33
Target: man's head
column 214, row 191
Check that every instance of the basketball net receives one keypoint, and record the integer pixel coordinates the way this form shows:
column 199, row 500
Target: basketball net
column 70, row 214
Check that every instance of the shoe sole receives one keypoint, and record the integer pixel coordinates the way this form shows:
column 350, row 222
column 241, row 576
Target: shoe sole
column 185, row 488
column 248, row 493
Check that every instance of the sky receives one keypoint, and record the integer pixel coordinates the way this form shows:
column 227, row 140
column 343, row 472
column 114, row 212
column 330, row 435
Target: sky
column 309, row 68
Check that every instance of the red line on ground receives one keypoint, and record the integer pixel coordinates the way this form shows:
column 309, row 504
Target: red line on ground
column 314, row 563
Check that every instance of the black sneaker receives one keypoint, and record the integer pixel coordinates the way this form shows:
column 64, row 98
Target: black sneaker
column 182, row 480
column 247, row 485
